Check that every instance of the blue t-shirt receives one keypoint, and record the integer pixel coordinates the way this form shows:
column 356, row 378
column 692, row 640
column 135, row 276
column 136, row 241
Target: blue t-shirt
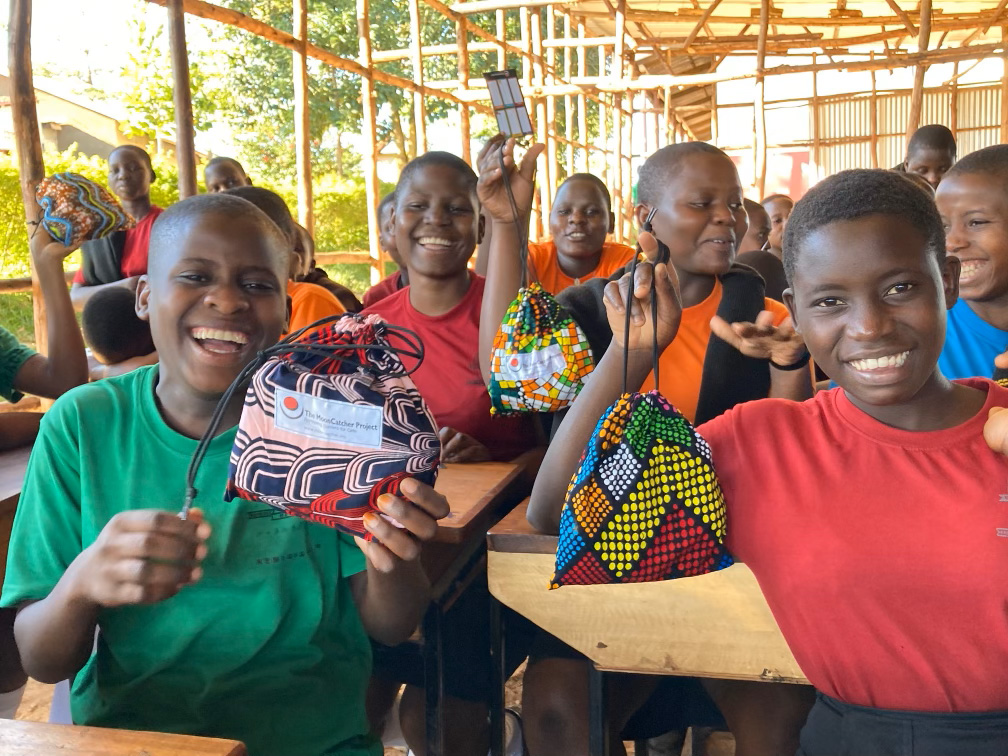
column 971, row 344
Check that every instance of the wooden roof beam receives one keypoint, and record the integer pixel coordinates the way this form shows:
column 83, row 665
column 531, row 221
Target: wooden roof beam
column 907, row 23
column 701, row 23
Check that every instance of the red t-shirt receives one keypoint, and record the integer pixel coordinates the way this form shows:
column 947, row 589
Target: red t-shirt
column 386, row 287
column 134, row 258
column 449, row 379
column 882, row 553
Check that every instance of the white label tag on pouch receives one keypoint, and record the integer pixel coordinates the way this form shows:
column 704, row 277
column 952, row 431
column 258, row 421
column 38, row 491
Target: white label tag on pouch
column 537, row 365
column 329, row 419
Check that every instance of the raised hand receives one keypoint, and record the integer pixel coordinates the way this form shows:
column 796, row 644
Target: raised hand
column 417, row 511
column 141, row 556
column 491, row 187
column 762, row 339
column 460, row 447
column 45, row 249
column 617, row 294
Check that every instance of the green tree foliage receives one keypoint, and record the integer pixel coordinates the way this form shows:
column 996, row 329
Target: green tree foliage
column 148, row 87
column 260, row 91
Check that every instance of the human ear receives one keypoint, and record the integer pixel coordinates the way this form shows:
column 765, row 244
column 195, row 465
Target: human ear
column 612, row 221
column 788, row 296
column 640, row 214
column 480, row 228
column 950, row 268
column 290, row 309
column 141, row 307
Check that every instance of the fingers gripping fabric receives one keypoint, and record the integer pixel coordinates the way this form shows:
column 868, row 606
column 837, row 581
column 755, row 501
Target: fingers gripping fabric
column 75, row 209
column 645, row 503
column 540, row 356
column 323, row 433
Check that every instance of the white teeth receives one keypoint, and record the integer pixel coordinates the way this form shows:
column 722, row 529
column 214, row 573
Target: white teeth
column 433, row 241
column 876, row 363
column 576, row 237
column 969, row 268
column 218, row 335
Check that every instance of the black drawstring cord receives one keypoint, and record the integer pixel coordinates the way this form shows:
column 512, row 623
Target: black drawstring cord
column 654, row 315
column 412, row 348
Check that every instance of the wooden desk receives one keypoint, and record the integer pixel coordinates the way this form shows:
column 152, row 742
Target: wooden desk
column 478, row 494
column 716, row 625
column 37, row 739
column 12, row 471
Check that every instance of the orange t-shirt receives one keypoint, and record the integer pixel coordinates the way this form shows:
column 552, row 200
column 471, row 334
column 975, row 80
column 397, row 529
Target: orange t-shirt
column 544, row 265
column 680, row 366
column 310, row 302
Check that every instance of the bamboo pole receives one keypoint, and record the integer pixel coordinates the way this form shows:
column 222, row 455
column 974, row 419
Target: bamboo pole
column 568, row 100
column 619, row 66
column 954, row 101
column 545, row 186
column 759, row 117
column 816, row 123
column 27, row 141
column 552, row 156
column 1004, row 91
column 582, row 112
column 667, row 114
column 917, row 96
column 500, row 20
column 302, row 134
column 700, row 24
column 714, row 121
column 185, row 151
column 524, row 26
column 419, row 105
column 874, row 122
column 370, row 144
column 907, row 23
column 603, row 117
column 461, row 37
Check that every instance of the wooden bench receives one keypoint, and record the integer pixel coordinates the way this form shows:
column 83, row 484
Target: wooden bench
column 19, row 738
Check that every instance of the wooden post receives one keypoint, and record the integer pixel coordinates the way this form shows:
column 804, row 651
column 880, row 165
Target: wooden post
column 545, row 186
column 954, row 97
column 816, row 124
column 714, row 127
column 552, row 157
column 501, row 23
column 524, row 24
column 667, row 117
column 419, row 105
column 603, row 116
column 582, row 101
column 874, row 120
column 1004, row 89
column 759, row 117
column 619, row 72
column 568, row 101
column 462, row 38
column 917, row 96
column 302, row 134
column 31, row 169
column 185, row 150
column 370, row 145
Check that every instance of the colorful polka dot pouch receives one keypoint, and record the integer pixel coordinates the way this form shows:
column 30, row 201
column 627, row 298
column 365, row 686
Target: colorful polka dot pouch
column 645, row 503
column 75, row 209
column 540, row 356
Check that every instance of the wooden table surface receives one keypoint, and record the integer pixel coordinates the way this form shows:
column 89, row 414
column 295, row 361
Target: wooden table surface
column 18, row 738
column 475, row 493
column 716, row 625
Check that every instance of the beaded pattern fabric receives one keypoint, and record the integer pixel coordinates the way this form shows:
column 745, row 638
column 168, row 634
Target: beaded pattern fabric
column 288, row 458
column 540, row 356
column 645, row 503
column 75, row 209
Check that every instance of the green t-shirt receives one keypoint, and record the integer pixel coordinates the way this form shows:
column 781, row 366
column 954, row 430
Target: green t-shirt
column 13, row 354
column 267, row 647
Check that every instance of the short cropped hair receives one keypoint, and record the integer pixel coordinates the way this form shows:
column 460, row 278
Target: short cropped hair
column 175, row 221
column 111, row 326
column 752, row 206
column 140, row 152
column 270, row 203
column 593, row 179
column 221, row 160
column 859, row 193
column 663, row 164
column 934, row 136
column 436, row 157
column 774, row 198
column 990, row 161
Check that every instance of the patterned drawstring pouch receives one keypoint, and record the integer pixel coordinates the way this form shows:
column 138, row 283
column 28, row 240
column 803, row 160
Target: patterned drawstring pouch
column 331, row 421
column 75, row 209
column 540, row 354
column 645, row 503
